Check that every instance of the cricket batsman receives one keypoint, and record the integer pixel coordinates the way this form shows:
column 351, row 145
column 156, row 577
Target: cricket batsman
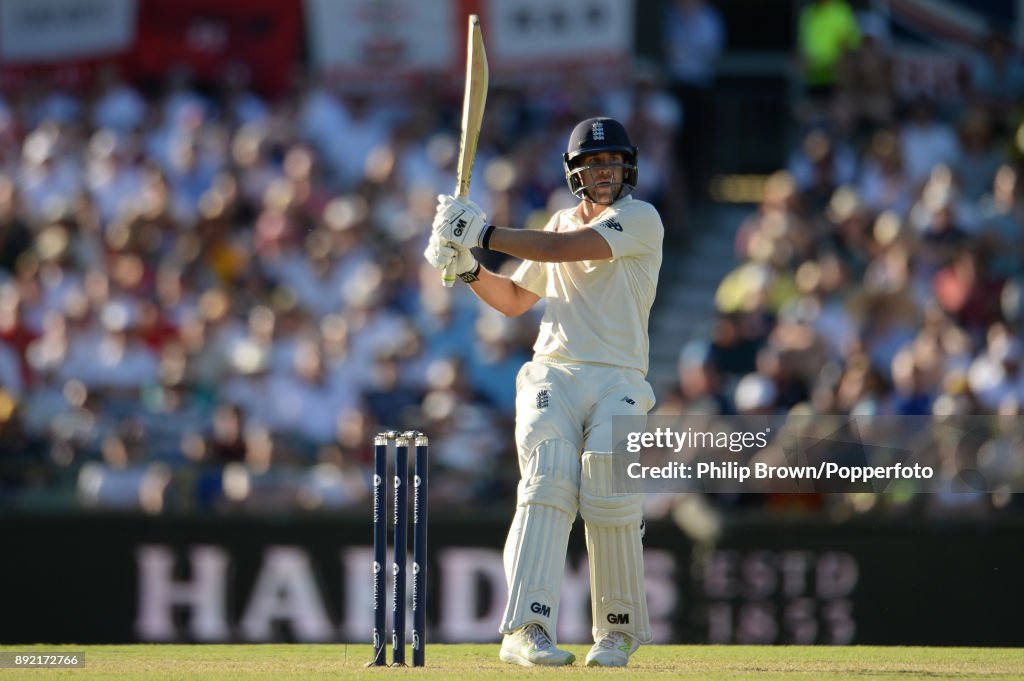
column 596, row 268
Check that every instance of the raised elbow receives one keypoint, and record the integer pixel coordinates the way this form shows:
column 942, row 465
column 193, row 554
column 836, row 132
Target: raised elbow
column 585, row 244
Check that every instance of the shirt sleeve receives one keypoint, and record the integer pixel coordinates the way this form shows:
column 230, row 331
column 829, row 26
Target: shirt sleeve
column 533, row 276
column 632, row 231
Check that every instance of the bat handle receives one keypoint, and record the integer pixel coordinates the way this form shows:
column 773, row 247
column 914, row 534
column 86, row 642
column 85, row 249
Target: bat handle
column 449, row 276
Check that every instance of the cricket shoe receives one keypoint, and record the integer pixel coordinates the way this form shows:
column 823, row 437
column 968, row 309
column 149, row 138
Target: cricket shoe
column 531, row 646
column 613, row 650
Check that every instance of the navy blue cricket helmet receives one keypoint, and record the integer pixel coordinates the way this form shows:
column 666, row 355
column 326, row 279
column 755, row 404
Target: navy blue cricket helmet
column 595, row 135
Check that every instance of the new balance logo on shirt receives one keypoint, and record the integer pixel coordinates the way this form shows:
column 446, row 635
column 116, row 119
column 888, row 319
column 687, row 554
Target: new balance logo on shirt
column 610, row 224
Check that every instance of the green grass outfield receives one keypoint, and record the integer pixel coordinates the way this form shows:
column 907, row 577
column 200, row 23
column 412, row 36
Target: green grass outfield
column 475, row 662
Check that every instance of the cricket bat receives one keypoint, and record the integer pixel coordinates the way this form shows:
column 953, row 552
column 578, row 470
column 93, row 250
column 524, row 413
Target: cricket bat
column 473, row 100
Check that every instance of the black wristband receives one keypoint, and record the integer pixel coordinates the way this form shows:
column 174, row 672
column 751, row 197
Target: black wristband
column 486, row 240
column 471, row 276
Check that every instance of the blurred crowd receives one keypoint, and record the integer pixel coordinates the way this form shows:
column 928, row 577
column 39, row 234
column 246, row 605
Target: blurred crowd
column 882, row 273
column 212, row 300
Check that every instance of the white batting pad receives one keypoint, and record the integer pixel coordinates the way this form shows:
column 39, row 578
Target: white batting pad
column 535, row 550
column 613, row 521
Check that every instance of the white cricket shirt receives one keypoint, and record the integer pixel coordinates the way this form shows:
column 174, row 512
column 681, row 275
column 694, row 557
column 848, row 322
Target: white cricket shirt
column 597, row 310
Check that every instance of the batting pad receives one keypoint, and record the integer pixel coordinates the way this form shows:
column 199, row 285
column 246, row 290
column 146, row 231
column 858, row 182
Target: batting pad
column 613, row 522
column 535, row 550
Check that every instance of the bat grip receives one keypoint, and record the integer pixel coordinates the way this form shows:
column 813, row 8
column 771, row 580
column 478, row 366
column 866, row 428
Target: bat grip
column 449, row 276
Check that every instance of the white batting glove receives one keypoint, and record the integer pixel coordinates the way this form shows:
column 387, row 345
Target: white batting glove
column 460, row 221
column 440, row 253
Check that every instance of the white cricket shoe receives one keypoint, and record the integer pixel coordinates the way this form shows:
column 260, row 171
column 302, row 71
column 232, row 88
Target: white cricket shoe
column 531, row 646
column 613, row 650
